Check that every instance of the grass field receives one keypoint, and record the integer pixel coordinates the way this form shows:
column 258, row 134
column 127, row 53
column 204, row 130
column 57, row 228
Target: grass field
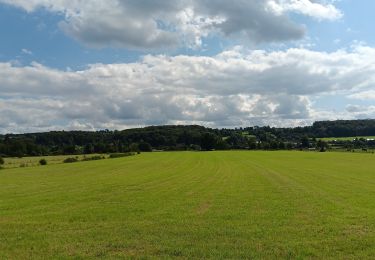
column 328, row 139
column 34, row 161
column 192, row 205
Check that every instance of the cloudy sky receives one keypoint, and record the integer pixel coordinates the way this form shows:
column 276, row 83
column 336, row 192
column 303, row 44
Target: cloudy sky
column 97, row 64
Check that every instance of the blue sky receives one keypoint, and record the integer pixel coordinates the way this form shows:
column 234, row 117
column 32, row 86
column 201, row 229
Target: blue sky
column 125, row 63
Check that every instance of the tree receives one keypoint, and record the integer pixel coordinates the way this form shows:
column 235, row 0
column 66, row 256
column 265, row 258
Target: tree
column 208, row 141
column 266, row 145
column 274, row 145
column 289, row 146
column 88, row 149
column 145, row 147
column 69, row 149
column 252, row 143
column 222, row 145
column 282, row 146
column 134, row 147
column 305, row 143
column 322, row 146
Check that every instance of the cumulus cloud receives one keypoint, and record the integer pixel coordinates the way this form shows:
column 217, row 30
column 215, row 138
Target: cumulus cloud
column 237, row 87
column 149, row 24
column 307, row 7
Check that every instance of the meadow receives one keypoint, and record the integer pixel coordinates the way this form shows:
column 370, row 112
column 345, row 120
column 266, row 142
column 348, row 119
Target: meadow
column 16, row 162
column 329, row 139
column 235, row 204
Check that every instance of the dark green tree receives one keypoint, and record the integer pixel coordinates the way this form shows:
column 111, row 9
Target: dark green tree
column 134, row 147
column 88, row 149
column 208, row 141
column 144, row 147
column 305, row 143
column 252, row 143
column 322, row 146
column 222, row 145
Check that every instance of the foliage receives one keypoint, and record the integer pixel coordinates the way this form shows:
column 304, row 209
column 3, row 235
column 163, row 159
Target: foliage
column 182, row 138
column 93, row 158
column 305, row 143
column 120, row 155
column 134, row 147
column 43, row 162
column 1, row 161
column 209, row 141
column 322, row 145
column 70, row 160
column 144, row 147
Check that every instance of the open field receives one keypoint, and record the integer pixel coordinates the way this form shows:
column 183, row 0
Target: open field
column 328, row 139
column 192, row 205
column 34, row 161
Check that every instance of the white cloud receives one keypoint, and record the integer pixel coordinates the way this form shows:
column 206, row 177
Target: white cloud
column 149, row 24
column 318, row 10
column 26, row 51
column 235, row 88
column 364, row 95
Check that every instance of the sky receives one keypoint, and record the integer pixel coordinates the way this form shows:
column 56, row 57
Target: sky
column 117, row 64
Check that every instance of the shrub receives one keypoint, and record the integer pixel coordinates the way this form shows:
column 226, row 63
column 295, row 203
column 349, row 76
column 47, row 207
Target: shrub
column 1, row 161
column 93, row 158
column 70, row 160
column 43, row 162
column 119, row 155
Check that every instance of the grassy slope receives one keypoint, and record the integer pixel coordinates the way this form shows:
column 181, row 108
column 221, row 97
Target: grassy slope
column 217, row 205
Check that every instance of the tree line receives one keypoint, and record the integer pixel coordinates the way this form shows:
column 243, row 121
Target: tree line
column 192, row 137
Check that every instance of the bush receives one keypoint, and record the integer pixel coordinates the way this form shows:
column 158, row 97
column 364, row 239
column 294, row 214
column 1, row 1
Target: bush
column 1, row 161
column 70, row 160
column 119, row 155
column 93, row 158
column 43, row 162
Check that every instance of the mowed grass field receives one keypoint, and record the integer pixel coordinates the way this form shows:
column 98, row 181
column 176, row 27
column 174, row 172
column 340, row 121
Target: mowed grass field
column 192, row 205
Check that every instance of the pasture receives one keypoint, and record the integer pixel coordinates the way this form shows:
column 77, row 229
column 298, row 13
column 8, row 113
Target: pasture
column 235, row 204
column 330, row 139
column 16, row 162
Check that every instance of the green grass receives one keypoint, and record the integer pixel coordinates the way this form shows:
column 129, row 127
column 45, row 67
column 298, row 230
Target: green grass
column 192, row 205
column 328, row 139
column 16, row 162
